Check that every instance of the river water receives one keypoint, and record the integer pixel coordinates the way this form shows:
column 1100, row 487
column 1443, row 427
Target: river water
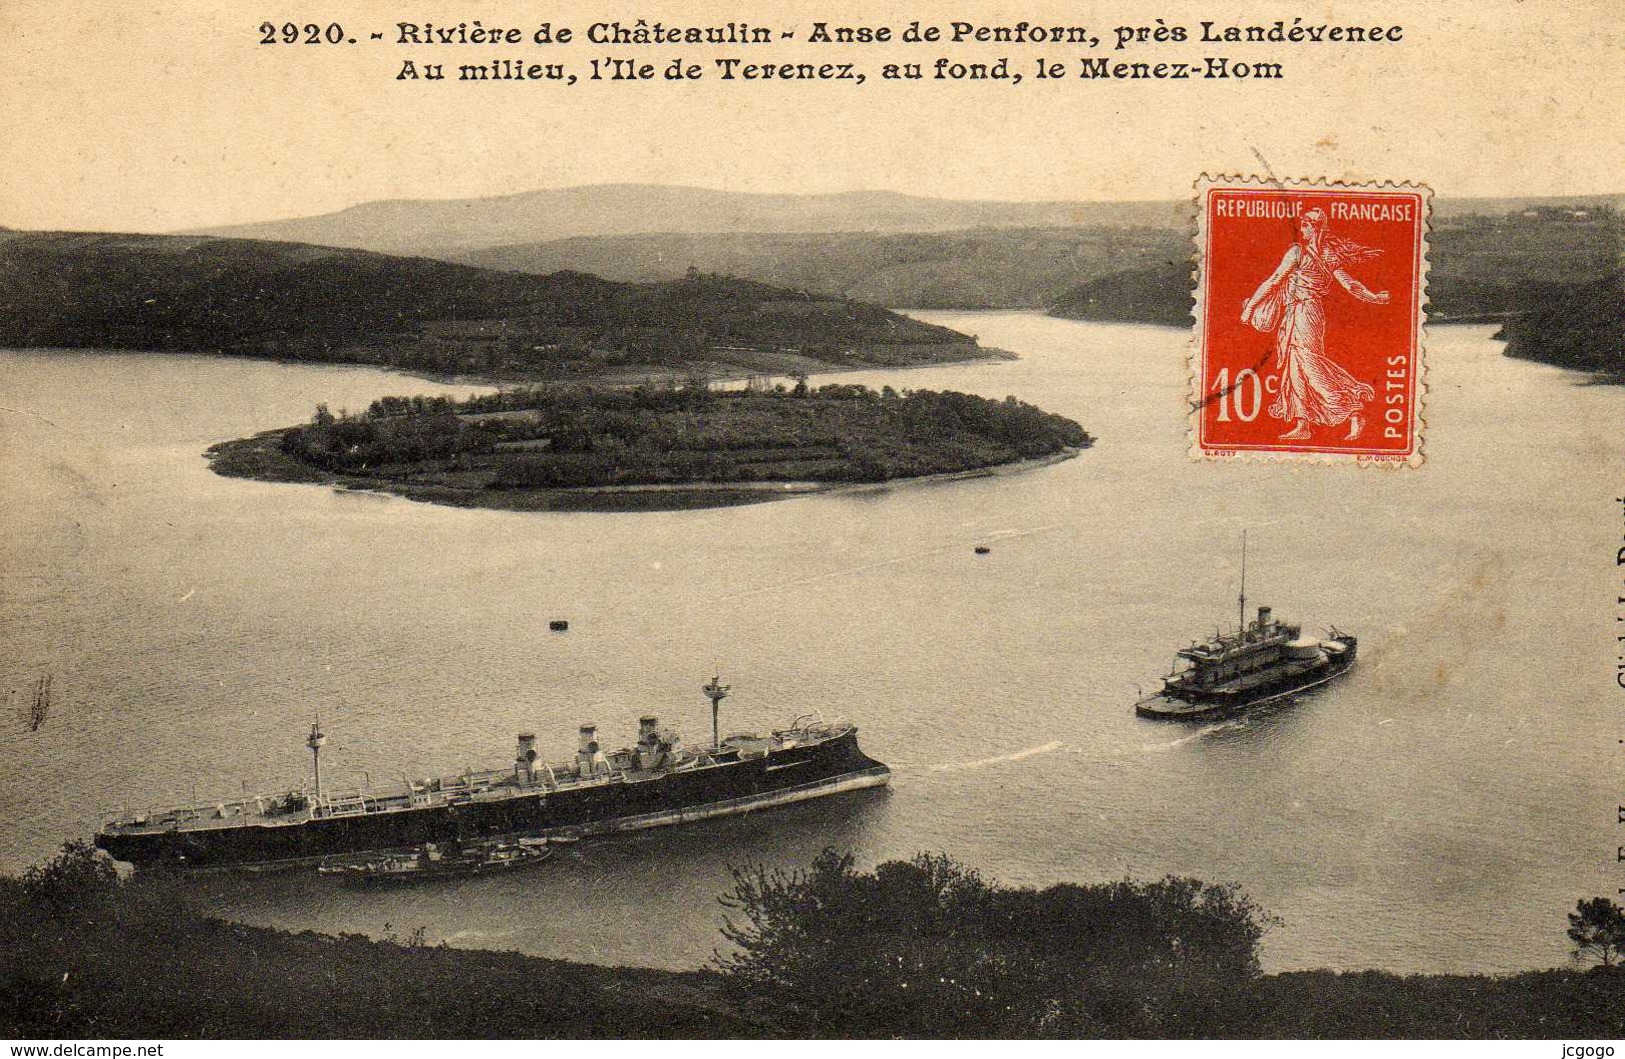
column 1439, row 810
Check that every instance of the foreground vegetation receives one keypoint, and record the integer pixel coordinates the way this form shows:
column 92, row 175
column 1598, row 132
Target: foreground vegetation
column 924, row 947
column 495, row 450
column 928, row 948
column 83, row 955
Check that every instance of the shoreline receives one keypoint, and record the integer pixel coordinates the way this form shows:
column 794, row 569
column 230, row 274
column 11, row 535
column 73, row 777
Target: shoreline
column 714, row 371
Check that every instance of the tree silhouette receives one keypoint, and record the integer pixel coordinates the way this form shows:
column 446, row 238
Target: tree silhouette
column 1597, row 928
column 928, row 947
column 78, row 874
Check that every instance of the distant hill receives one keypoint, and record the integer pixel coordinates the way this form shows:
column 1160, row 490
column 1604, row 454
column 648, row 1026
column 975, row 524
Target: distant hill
column 450, row 228
column 986, row 268
column 1482, row 251
column 441, row 228
column 306, row 302
column 905, row 250
column 661, row 303
column 1483, row 267
column 1159, row 294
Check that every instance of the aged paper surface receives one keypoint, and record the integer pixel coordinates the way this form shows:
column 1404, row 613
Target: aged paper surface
column 1020, row 177
column 180, row 119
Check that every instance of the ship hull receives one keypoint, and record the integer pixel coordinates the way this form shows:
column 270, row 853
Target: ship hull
column 1198, row 706
column 725, row 789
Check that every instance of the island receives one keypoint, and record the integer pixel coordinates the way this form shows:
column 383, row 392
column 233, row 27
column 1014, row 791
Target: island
column 563, row 447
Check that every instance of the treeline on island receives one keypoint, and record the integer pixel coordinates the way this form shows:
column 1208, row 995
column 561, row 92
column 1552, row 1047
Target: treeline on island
column 302, row 302
column 562, row 437
column 925, row 947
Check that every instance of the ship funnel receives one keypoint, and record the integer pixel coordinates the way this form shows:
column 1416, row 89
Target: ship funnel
column 653, row 744
column 524, row 758
column 589, row 758
column 1263, row 617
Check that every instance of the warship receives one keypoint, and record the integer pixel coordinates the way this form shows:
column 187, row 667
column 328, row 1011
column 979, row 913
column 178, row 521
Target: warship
column 1263, row 661
column 653, row 783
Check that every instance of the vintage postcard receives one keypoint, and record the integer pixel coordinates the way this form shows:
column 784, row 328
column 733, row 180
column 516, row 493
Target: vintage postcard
column 680, row 521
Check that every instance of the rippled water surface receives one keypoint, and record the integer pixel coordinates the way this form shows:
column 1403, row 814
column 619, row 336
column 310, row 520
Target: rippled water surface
column 1441, row 809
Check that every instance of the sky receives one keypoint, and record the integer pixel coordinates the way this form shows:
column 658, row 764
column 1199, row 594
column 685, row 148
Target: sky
column 169, row 114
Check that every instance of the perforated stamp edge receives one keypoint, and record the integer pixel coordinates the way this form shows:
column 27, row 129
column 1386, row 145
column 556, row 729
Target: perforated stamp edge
column 1194, row 360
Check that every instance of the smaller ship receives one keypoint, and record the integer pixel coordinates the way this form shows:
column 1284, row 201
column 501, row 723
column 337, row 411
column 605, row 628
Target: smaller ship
column 1264, row 661
column 434, row 861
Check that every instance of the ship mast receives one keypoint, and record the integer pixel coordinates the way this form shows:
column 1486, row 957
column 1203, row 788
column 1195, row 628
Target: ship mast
column 1241, row 601
column 316, row 741
column 716, row 691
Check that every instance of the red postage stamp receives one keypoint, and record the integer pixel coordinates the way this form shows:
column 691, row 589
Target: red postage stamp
column 1309, row 312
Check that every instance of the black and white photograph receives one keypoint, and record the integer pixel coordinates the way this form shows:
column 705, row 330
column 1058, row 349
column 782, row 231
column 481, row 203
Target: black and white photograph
column 785, row 523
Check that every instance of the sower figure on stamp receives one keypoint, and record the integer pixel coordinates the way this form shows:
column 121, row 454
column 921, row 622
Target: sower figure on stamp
column 1314, row 388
